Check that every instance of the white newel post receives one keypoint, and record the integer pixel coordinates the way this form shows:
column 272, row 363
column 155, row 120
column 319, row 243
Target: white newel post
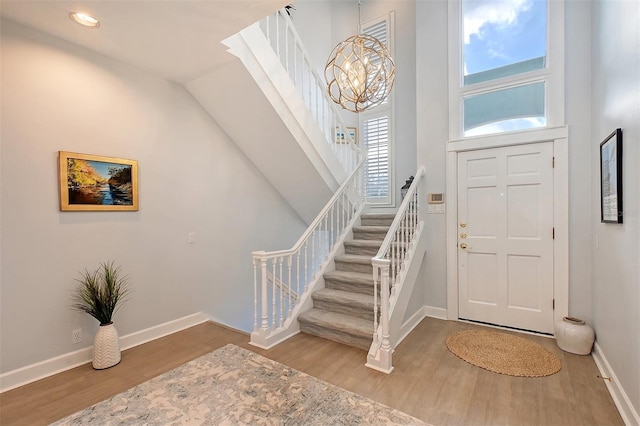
column 382, row 361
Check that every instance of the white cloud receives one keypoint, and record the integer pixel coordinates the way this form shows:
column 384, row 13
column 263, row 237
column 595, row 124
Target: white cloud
column 498, row 12
column 507, row 126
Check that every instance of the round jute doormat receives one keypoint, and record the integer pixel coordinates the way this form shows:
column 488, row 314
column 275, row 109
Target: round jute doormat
column 503, row 353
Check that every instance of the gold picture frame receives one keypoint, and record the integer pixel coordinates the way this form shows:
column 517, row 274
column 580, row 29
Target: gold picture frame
column 97, row 183
column 340, row 137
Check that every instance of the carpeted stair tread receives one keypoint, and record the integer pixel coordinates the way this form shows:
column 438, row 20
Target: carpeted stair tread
column 362, row 259
column 356, row 282
column 354, row 263
column 356, row 327
column 377, row 219
column 363, row 247
column 371, row 228
column 356, row 300
column 373, row 232
column 378, row 216
column 350, row 277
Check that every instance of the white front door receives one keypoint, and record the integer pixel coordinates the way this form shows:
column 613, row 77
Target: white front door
column 505, row 236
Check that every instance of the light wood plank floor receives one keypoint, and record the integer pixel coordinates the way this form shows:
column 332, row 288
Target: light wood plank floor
column 428, row 381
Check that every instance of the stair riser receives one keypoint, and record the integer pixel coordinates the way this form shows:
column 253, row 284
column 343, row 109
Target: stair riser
column 354, row 267
column 337, row 336
column 364, row 235
column 368, row 251
column 354, row 311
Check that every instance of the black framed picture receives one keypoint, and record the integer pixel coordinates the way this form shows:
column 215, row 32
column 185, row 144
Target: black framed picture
column 611, row 178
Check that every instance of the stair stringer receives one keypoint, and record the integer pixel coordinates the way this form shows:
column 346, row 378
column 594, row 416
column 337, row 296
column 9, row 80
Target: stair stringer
column 399, row 300
column 291, row 326
column 253, row 49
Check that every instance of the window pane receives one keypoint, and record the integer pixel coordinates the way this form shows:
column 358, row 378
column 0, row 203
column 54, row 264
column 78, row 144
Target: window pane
column 515, row 108
column 503, row 38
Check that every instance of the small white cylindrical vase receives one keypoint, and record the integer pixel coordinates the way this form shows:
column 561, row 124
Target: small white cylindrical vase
column 106, row 347
column 574, row 336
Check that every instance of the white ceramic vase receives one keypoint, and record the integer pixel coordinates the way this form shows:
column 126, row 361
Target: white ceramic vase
column 574, row 336
column 106, row 347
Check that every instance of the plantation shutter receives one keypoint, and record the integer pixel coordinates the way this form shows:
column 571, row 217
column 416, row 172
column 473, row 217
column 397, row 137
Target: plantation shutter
column 377, row 136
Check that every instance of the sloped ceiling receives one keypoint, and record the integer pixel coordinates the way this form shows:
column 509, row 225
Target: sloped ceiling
column 176, row 39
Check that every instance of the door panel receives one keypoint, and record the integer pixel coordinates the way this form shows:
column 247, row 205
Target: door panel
column 505, row 255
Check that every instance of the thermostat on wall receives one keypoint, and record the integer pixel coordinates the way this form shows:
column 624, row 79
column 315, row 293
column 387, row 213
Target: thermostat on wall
column 436, row 198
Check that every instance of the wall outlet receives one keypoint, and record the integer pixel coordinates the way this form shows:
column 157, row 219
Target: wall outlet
column 76, row 336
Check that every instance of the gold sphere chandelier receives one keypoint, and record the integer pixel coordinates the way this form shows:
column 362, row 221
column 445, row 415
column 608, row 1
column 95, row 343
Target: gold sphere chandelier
column 359, row 73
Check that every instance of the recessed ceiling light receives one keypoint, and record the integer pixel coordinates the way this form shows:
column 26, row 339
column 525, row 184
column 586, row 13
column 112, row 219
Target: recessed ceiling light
column 84, row 19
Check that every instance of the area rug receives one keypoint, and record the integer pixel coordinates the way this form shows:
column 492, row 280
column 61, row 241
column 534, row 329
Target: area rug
column 503, row 353
column 234, row 386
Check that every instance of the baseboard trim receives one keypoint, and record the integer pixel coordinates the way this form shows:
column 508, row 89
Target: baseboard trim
column 40, row 370
column 620, row 398
column 408, row 326
column 161, row 330
column 433, row 312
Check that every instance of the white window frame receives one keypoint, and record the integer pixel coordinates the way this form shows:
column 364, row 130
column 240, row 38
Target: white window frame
column 386, row 109
column 552, row 74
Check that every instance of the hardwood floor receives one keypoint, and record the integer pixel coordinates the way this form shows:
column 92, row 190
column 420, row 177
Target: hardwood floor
column 428, row 381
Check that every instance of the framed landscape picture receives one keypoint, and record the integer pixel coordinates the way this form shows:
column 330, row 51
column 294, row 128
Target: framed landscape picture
column 97, row 183
column 341, row 137
column 611, row 178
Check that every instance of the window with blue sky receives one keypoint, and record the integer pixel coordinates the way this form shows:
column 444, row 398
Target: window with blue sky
column 502, row 39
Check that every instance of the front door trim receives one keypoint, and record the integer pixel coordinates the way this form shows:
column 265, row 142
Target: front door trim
column 559, row 137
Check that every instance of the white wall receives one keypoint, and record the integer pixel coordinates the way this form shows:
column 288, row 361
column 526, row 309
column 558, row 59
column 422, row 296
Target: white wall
column 578, row 117
column 56, row 96
column 616, row 104
column 432, row 135
column 312, row 21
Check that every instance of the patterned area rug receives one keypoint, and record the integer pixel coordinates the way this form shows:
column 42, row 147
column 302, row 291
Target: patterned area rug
column 232, row 386
column 503, row 353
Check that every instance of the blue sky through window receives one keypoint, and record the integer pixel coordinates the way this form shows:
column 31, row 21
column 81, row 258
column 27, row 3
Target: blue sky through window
column 503, row 32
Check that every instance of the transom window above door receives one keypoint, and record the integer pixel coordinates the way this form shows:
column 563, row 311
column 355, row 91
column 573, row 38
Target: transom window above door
column 504, row 75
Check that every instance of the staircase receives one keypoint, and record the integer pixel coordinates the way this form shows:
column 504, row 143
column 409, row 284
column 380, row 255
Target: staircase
column 343, row 311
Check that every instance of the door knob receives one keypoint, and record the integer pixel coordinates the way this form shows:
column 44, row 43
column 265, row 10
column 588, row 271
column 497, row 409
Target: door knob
column 463, row 224
column 463, row 235
column 463, row 245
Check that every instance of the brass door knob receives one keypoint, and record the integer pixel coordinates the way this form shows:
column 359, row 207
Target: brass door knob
column 463, row 245
column 463, row 235
column 463, row 224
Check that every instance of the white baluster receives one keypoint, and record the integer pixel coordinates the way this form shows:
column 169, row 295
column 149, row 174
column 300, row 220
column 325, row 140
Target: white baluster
column 326, row 238
column 306, row 266
column 289, row 288
column 278, row 37
column 273, row 286
column 298, row 274
column 333, row 230
column 286, row 47
column 295, row 65
column 282, row 291
column 313, row 255
column 264, row 295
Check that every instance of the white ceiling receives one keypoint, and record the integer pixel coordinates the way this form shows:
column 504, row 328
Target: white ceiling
column 176, row 39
